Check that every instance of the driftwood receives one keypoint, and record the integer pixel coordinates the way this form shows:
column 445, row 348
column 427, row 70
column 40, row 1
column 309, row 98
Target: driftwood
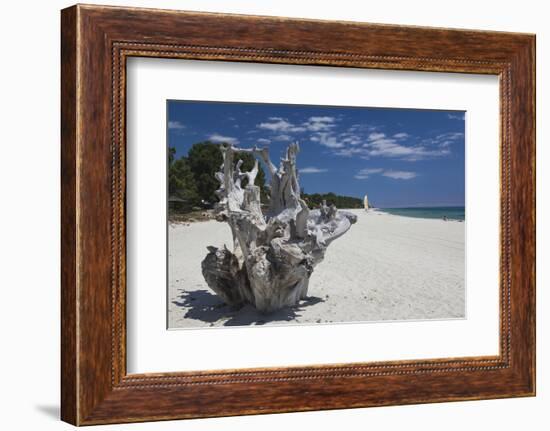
column 273, row 254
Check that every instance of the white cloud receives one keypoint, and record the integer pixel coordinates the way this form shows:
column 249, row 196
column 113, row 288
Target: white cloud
column 460, row 117
column 175, row 125
column 444, row 140
column 282, row 138
column 317, row 124
column 363, row 174
column 283, row 125
column 399, row 175
column 361, row 127
column 312, row 170
column 400, row 145
column 264, row 141
column 322, row 119
column 364, row 141
column 349, row 152
column 327, row 140
column 278, row 124
column 389, row 147
column 376, row 135
column 217, row 138
column 361, row 140
column 350, row 139
column 453, row 136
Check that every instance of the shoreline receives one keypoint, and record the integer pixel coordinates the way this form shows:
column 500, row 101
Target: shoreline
column 382, row 211
column 371, row 210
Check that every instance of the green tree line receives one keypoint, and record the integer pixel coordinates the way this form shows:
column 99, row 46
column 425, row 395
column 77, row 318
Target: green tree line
column 191, row 179
column 315, row 199
column 192, row 183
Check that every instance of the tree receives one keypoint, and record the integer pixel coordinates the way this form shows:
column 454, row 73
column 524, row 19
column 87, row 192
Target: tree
column 205, row 159
column 171, row 155
column 181, row 182
column 345, row 202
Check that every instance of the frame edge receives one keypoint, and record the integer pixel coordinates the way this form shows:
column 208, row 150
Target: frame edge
column 69, row 330
column 108, row 400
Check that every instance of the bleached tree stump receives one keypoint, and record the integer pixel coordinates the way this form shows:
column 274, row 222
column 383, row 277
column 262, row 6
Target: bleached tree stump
column 274, row 254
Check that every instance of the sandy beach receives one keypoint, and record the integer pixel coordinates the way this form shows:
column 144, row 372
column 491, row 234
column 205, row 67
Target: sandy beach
column 386, row 267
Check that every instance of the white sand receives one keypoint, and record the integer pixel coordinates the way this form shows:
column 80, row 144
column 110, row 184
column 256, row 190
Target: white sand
column 385, row 268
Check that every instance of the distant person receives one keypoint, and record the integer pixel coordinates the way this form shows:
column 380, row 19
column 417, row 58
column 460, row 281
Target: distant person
column 444, row 218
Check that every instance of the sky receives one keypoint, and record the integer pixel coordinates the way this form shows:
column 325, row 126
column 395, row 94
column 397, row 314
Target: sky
column 398, row 157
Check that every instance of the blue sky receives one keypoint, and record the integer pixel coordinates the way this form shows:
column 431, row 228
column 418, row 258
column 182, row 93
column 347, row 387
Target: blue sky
column 399, row 157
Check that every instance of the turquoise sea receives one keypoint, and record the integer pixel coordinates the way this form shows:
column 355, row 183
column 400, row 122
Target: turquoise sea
column 451, row 213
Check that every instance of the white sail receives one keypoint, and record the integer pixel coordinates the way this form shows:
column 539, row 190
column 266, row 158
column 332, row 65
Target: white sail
column 366, row 202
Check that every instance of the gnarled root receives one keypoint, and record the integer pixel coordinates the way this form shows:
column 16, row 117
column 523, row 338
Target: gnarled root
column 274, row 255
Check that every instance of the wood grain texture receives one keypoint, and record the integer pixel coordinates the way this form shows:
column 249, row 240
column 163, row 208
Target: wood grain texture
column 68, row 218
column 96, row 41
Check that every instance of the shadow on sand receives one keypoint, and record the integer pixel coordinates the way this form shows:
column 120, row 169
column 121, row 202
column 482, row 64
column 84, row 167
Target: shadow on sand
column 208, row 307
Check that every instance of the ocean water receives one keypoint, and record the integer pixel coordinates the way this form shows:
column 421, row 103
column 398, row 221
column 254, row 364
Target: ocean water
column 452, row 213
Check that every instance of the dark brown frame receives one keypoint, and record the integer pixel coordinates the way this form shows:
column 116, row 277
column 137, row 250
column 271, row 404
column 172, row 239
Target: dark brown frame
column 95, row 43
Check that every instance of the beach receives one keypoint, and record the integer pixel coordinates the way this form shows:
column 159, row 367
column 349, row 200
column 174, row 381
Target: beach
column 387, row 267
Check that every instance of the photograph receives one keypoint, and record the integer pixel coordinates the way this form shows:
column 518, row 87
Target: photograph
column 284, row 214
column 280, row 211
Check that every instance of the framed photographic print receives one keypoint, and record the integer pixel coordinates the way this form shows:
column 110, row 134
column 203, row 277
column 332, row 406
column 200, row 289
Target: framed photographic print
column 264, row 215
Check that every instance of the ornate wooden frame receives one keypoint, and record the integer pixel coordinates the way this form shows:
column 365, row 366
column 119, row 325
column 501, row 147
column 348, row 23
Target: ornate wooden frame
column 95, row 43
